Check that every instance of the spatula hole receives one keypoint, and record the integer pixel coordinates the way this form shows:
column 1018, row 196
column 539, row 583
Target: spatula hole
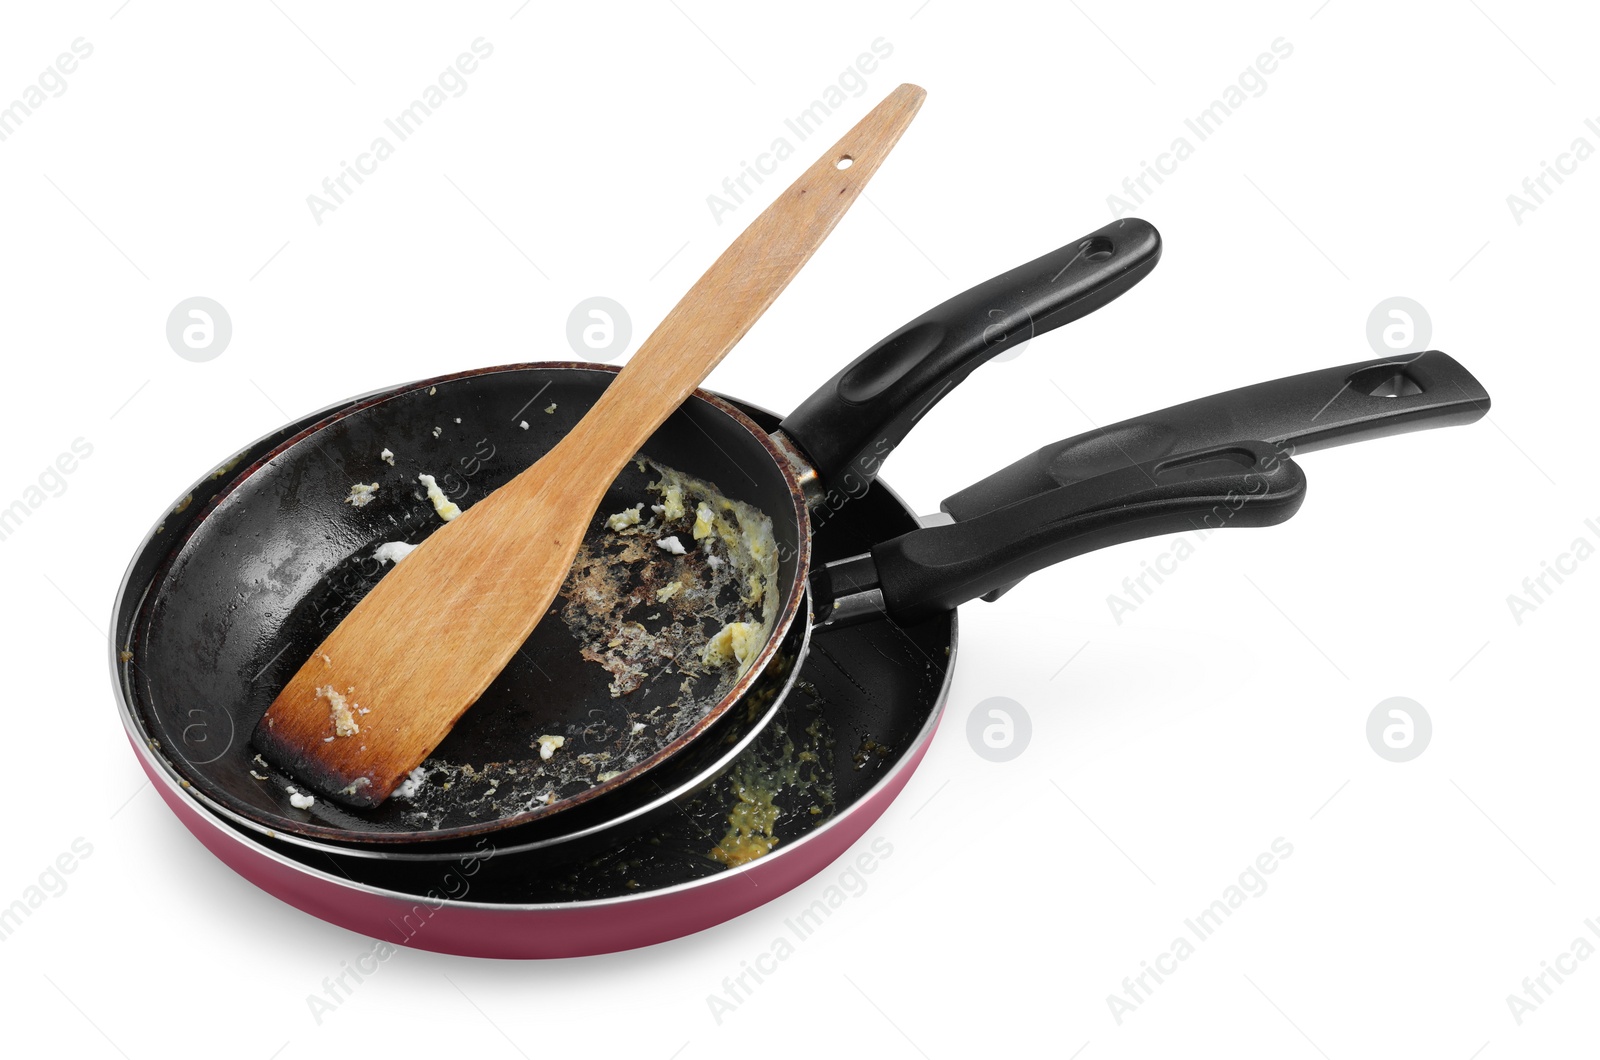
column 845, row 162
column 1097, row 249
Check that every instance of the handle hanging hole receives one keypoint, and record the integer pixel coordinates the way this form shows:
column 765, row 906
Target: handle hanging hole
column 1385, row 381
column 1097, row 249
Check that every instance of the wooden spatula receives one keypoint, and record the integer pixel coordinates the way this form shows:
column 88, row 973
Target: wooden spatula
column 421, row 647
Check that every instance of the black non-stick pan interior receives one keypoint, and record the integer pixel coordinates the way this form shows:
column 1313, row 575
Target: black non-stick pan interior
column 274, row 560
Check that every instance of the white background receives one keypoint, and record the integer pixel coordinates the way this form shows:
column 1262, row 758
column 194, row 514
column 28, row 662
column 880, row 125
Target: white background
column 1227, row 711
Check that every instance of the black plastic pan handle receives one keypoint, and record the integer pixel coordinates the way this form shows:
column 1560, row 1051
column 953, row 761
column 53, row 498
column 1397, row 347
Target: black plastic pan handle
column 1221, row 461
column 849, row 425
column 924, row 572
column 1299, row 414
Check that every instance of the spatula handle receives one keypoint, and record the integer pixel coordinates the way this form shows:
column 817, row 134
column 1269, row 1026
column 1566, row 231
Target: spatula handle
column 740, row 285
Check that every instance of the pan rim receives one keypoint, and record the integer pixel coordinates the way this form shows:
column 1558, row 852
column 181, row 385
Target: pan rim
column 320, row 419
column 909, row 760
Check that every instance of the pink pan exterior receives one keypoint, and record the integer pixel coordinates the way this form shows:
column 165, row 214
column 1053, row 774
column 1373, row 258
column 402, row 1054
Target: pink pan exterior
column 577, row 929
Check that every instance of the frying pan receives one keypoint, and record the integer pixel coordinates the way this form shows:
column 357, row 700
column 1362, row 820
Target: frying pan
column 271, row 560
column 870, row 681
column 870, row 688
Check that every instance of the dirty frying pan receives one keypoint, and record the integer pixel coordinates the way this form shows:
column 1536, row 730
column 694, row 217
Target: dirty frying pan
column 864, row 708
column 271, row 561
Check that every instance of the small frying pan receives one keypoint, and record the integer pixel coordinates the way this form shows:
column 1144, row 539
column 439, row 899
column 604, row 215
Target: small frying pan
column 274, row 560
